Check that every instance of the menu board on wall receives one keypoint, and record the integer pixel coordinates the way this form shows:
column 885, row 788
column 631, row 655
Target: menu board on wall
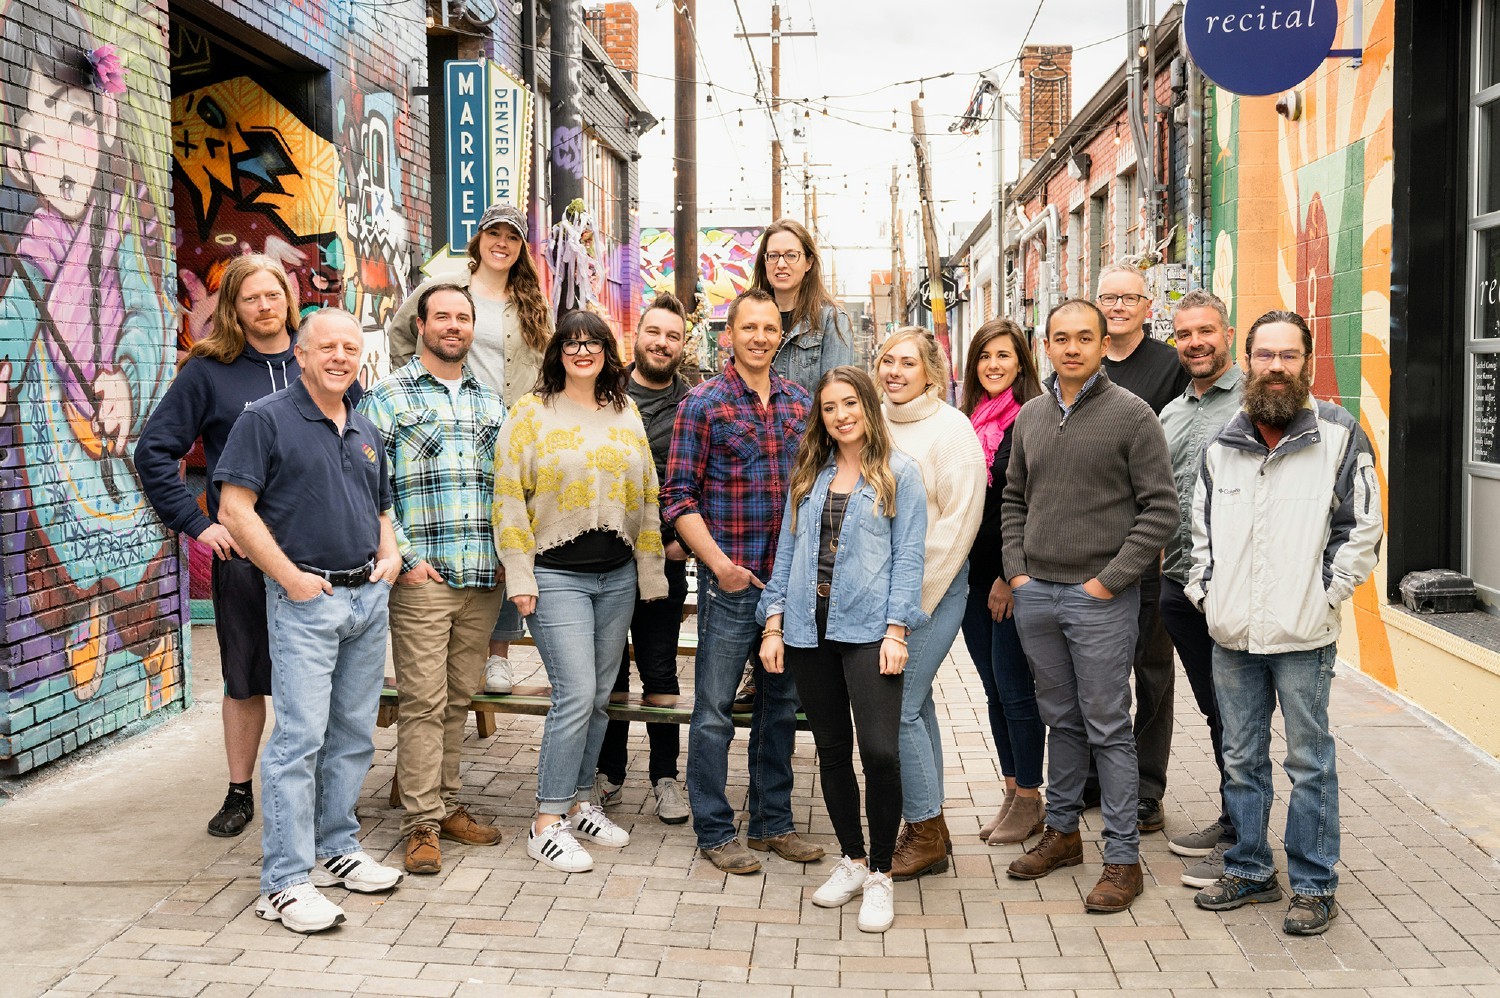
column 1486, row 401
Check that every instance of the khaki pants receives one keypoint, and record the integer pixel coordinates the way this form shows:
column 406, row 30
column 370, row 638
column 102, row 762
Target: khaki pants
column 439, row 640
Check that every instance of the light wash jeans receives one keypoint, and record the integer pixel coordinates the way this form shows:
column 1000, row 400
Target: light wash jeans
column 1081, row 650
column 580, row 624
column 1248, row 688
column 921, row 738
column 728, row 635
column 327, row 667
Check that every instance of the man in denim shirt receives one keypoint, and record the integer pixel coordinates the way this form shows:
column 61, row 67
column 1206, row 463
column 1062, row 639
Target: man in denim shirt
column 727, row 478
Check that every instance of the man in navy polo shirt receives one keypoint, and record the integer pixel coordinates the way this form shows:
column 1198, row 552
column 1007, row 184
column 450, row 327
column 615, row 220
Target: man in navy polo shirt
column 306, row 495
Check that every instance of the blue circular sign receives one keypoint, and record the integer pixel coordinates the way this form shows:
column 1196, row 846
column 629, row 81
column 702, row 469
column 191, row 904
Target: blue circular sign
column 1260, row 47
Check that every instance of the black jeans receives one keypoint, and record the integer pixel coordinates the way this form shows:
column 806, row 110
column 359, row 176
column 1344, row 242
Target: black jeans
column 834, row 680
column 1189, row 631
column 653, row 635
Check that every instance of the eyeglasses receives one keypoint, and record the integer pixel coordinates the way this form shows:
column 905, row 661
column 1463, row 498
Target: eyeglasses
column 574, row 347
column 1110, row 301
column 792, row 257
column 1287, row 357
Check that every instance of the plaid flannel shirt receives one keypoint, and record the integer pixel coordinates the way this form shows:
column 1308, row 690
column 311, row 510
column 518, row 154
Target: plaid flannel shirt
column 731, row 463
column 442, row 460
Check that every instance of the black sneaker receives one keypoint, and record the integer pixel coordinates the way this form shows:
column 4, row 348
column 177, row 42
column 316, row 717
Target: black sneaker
column 1310, row 915
column 1230, row 892
column 234, row 814
column 1149, row 816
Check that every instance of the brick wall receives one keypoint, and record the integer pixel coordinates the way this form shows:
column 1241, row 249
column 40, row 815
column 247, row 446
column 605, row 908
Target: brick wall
column 95, row 589
column 617, row 26
column 1046, row 95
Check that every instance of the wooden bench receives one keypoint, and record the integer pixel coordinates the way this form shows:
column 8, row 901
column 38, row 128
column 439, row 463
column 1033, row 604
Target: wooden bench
column 537, row 700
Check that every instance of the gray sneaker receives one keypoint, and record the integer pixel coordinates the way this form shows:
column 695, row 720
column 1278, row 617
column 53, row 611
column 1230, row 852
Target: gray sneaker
column 606, row 794
column 670, row 807
column 1208, row 869
column 1199, row 843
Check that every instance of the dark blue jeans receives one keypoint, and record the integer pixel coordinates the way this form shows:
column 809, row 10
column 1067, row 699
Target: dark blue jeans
column 654, row 631
column 1249, row 688
column 1009, row 690
column 1189, row 631
column 728, row 635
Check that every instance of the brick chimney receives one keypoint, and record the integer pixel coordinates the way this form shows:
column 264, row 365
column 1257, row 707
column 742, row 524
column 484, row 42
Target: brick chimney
column 1046, row 96
column 616, row 25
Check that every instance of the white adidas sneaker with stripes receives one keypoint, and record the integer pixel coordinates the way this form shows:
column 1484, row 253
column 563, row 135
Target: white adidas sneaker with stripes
column 356, row 872
column 300, row 908
column 592, row 823
column 556, row 846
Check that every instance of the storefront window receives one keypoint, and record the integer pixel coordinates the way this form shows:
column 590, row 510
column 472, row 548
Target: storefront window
column 1482, row 467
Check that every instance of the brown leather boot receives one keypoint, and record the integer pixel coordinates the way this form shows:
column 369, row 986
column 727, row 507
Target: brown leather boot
column 989, row 826
column 1118, row 886
column 922, row 852
column 943, row 829
column 1052, row 850
column 422, row 852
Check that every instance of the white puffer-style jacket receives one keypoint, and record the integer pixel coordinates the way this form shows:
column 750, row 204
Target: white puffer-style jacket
column 1282, row 537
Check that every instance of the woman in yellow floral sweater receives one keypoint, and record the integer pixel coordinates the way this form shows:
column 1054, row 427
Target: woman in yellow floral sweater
column 578, row 530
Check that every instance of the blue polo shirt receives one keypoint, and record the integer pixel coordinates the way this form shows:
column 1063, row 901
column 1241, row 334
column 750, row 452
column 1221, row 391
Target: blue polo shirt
column 320, row 492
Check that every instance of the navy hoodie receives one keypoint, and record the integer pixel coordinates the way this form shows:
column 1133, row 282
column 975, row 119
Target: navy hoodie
column 203, row 400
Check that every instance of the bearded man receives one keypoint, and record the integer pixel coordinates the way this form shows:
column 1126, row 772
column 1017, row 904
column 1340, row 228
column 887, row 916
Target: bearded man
column 1286, row 524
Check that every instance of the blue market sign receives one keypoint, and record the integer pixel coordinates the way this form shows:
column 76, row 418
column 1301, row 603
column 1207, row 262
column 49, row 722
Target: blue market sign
column 489, row 118
column 1257, row 48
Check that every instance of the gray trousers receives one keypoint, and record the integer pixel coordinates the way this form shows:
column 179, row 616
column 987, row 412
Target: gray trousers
column 1080, row 649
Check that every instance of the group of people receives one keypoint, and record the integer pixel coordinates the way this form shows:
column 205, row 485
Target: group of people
column 512, row 473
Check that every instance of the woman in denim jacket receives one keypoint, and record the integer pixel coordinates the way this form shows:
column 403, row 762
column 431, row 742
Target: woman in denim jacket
column 845, row 591
column 816, row 335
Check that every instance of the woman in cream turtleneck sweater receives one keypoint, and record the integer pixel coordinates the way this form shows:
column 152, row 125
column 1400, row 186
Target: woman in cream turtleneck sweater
column 912, row 375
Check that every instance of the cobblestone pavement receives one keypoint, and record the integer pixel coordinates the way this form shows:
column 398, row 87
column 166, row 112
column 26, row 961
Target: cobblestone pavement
column 90, row 907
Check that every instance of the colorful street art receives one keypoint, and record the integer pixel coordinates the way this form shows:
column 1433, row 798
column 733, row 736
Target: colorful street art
column 1302, row 220
column 93, row 610
column 726, row 263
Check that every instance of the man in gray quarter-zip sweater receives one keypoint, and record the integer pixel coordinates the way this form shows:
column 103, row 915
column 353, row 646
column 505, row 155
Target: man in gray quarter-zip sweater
column 1088, row 503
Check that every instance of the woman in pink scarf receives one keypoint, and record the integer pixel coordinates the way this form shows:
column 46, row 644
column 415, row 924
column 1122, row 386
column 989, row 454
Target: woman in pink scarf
column 999, row 376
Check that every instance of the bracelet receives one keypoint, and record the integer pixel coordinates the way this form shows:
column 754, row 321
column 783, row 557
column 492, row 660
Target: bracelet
column 899, row 641
column 770, row 632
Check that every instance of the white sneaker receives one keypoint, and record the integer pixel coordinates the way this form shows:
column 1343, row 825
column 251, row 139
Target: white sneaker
column 670, row 807
column 556, row 846
column 300, row 908
column 593, row 824
column 497, row 676
column 357, row 872
column 606, row 794
column 878, row 909
column 847, row 880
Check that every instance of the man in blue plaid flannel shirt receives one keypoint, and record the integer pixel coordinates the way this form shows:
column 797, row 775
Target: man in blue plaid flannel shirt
column 439, row 425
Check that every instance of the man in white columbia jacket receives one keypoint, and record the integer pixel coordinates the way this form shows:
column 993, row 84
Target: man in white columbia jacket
column 1286, row 523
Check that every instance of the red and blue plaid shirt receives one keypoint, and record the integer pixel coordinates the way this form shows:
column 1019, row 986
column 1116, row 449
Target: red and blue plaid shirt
column 731, row 463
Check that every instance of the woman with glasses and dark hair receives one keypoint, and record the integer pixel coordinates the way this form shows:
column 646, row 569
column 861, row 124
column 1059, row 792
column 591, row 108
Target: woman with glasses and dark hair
column 578, row 530
column 816, row 335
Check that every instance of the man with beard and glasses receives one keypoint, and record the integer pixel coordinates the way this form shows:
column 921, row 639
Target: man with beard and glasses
column 439, row 424
column 657, row 389
column 1205, row 346
column 1286, row 524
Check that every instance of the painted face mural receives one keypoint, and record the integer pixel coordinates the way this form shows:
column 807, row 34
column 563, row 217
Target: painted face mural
column 91, row 576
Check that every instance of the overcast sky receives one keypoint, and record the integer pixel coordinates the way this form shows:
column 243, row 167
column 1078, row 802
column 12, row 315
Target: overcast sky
column 863, row 47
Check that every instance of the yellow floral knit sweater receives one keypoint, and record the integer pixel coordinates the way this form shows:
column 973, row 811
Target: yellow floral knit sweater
column 562, row 469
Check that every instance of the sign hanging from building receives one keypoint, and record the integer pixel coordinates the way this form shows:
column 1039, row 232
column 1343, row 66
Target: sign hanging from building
column 949, row 288
column 1260, row 47
column 489, row 122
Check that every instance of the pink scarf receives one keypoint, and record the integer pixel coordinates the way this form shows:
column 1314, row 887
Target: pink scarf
column 991, row 419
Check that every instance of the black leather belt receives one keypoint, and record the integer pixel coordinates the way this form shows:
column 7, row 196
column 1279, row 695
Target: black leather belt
column 352, row 577
column 825, row 589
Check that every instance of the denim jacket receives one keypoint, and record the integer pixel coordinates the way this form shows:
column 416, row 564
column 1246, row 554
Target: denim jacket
column 877, row 577
column 807, row 352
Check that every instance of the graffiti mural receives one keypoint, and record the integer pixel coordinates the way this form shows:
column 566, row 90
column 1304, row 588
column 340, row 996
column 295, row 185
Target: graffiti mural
column 726, row 263
column 93, row 608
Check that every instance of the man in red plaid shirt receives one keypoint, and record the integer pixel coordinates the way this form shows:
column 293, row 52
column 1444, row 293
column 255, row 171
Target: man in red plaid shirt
column 727, row 478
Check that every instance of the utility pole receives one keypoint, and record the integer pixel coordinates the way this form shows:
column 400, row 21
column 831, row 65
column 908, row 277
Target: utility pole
column 898, row 289
column 929, row 233
column 566, row 171
column 685, row 217
column 776, row 35
column 806, row 215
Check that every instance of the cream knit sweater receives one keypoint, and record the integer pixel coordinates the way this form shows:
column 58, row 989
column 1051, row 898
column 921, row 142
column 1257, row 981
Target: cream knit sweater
column 943, row 443
column 562, row 469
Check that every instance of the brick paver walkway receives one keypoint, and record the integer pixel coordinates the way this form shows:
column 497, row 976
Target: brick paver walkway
column 1421, row 899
